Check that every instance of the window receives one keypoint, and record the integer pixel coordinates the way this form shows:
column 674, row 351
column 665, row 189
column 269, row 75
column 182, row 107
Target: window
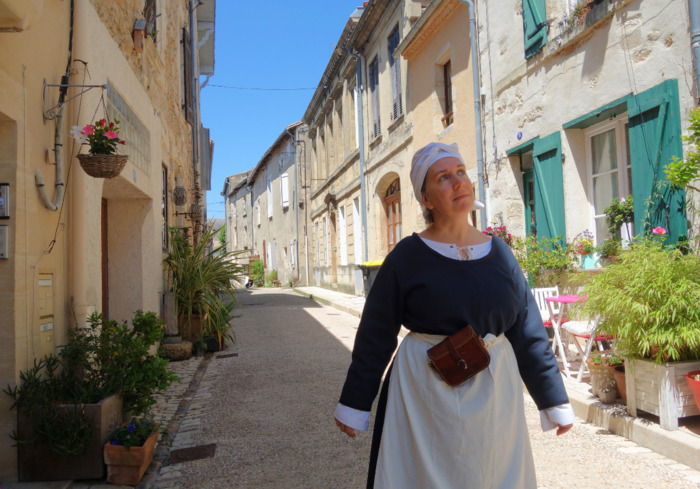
column 149, row 13
column 357, row 229
column 374, row 91
column 395, row 69
column 318, row 246
column 292, row 253
column 164, row 207
column 356, row 117
column 448, row 113
column 257, row 213
column 188, row 77
column 269, row 199
column 343, row 235
column 284, row 190
column 325, row 238
column 610, row 171
column 534, row 26
column 392, row 199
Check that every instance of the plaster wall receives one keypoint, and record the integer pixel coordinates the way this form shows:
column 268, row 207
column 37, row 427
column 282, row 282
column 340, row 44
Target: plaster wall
column 67, row 244
column 445, row 36
column 26, row 143
column 636, row 46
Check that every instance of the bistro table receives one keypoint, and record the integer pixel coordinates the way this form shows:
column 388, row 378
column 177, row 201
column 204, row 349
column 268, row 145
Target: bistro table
column 557, row 318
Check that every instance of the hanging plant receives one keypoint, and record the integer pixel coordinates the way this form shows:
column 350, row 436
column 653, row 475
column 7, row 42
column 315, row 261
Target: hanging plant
column 102, row 137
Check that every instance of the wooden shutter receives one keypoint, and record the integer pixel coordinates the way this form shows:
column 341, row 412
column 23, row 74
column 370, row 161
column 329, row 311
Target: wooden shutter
column 654, row 138
column 395, row 68
column 284, row 188
column 534, row 26
column 549, row 187
column 374, row 89
column 188, row 103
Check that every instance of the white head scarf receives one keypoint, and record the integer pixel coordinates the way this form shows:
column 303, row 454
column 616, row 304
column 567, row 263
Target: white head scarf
column 423, row 160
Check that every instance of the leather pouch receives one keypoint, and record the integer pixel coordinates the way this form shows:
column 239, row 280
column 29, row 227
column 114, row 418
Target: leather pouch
column 460, row 356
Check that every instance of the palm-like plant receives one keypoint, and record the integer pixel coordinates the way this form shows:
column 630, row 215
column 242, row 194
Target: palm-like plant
column 202, row 281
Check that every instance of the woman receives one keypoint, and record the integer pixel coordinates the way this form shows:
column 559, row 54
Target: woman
column 427, row 434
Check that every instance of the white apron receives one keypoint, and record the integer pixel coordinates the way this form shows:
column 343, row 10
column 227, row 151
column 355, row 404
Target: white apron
column 473, row 436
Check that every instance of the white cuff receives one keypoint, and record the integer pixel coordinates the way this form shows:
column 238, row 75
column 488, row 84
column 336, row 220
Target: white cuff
column 358, row 420
column 553, row 417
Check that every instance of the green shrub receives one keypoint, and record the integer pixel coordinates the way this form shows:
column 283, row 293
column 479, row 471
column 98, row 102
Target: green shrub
column 271, row 277
column 542, row 259
column 257, row 273
column 649, row 302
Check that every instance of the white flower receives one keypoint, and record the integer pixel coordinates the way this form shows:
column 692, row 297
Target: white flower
column 77, row 133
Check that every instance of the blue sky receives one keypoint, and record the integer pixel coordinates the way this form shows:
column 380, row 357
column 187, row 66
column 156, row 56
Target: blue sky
column 268, row 44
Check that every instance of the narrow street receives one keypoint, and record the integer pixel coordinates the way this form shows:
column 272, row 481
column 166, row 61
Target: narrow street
column 267, row 404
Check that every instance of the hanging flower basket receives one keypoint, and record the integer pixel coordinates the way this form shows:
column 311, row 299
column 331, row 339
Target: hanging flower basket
column 103, row 138
column 103, row 166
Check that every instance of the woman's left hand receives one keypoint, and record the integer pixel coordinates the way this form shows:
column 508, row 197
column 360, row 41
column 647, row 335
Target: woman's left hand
column 563, row 429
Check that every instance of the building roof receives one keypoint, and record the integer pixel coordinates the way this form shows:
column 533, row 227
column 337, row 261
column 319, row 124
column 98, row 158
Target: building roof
column 206, row 15
column 278, row 142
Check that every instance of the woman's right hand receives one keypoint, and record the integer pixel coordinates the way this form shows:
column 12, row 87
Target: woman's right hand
column 345, row 429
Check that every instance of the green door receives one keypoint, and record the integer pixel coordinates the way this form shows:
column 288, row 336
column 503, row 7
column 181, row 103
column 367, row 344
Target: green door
column 655, row 137
column 549, row 187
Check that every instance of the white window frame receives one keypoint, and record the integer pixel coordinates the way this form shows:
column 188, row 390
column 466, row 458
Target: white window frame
column 357, row 229
column 318, row 245
column 269, row 199
column 624, row 187
column 284, row 190
column 325, row 238
column 342, row 236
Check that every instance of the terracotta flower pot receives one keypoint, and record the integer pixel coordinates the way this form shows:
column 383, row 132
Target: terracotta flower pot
column 619, row 374
column 126, row 467
column 694, row 385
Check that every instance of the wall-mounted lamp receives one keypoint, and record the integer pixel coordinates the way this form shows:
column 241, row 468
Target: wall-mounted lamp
column 180, row 196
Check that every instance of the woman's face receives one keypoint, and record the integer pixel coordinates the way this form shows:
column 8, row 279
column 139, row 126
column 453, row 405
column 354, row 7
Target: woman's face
column 448, row 190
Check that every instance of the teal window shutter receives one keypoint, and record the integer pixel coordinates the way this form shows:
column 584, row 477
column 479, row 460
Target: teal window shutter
column 549, row 187
column 534, row 26
column 654, row 138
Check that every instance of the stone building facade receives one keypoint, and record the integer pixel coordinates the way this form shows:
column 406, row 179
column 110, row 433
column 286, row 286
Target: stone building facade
column 361, row 146
column 266, row 211
column 582, row 105
column 438, row 54
column 78, row 244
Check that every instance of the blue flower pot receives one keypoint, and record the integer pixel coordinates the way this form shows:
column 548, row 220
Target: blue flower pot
column 588, row 262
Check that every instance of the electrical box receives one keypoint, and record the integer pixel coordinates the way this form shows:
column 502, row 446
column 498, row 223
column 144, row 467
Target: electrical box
column 3, row 241
column 46, row 317
column 4, row 200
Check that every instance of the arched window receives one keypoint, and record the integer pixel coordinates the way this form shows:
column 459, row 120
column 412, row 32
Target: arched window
column 393, row 214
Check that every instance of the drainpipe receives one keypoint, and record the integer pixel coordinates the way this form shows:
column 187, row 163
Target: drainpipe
column 477, row 108
column 694, row 8
column 363, row 198
column 296, row 198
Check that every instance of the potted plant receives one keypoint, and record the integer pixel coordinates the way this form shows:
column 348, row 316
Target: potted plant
column 693, row 380
column 543, row 260
column 129, row 451
column 68, row 404
column 603, row 385
column 203, row 283
column 582, row 246
column 619, row 213
column 101, row 161
column 649, row 302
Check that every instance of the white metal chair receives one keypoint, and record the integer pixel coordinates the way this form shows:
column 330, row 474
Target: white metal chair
column 587, row 331
column 547, row 310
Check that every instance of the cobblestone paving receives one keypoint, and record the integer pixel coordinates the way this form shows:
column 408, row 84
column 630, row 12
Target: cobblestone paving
column 224, row 401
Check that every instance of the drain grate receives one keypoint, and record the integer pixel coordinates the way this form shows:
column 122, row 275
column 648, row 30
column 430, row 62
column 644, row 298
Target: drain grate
column 192, row 453
column 227, row 355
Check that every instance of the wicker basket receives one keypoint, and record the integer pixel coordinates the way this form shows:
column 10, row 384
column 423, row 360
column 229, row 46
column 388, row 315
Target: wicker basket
column 103, row 166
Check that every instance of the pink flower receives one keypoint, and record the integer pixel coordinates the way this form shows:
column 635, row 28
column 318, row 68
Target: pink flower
column 658, row 230
column 111, row 135
column 87, row 130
